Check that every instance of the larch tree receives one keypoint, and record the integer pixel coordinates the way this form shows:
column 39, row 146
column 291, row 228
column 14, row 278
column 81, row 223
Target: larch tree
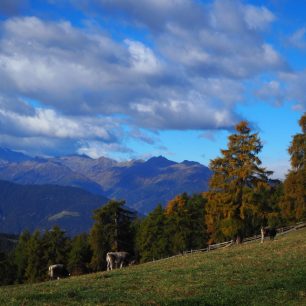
column 293, row 204
column 235, row 205
column 185, row 225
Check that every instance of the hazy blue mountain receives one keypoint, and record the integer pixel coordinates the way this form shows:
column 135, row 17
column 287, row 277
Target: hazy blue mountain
column 143, row 184
column 45, row 171
column 13, row 156
column 43, row 206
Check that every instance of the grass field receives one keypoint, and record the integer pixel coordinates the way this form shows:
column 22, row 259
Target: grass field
column 273, row 273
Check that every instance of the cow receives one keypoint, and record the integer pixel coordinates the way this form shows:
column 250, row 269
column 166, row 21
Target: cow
column 57, row 271
column 116, row 260
column 267, row 232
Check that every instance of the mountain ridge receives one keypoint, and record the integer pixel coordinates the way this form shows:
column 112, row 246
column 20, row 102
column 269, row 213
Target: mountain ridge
column 142, row 183
column 44, row 206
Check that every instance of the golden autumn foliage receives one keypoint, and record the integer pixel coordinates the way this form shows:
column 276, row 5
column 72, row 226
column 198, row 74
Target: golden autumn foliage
column 293, row 203
column 178, row 203
column 236, row 205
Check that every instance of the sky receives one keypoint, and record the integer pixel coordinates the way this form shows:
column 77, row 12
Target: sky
column 133, row 79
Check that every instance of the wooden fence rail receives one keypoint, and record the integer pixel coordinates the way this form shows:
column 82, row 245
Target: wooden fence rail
column 212, row 247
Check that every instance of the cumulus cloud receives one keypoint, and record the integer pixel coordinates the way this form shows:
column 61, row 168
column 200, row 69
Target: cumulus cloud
column 272, row 91
column 295, row 89
column 190, row 76
column 95, row 149
column 298, row 39
column 258, row 17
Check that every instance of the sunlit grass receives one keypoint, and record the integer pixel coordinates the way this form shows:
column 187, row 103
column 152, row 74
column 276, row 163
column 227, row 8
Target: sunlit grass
column 273, row 273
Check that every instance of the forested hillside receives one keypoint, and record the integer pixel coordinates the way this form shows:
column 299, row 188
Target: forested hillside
column 41, row 207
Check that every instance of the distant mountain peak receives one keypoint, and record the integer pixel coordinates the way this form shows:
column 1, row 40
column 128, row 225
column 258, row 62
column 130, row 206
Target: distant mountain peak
column 160, row 161
column 190, row 163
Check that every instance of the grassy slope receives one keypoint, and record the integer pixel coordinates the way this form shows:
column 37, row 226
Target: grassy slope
column 273, row 273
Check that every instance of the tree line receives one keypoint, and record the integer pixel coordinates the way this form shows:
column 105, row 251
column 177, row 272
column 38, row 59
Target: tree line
column 241, row 198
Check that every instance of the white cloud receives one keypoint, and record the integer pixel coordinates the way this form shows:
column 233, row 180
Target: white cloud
column 272, row 91
column 258, row 17
column 295, row 89
column 96, row 149
column 48, row 123
column 298, row 39
column 142, row 58
column 190, row 76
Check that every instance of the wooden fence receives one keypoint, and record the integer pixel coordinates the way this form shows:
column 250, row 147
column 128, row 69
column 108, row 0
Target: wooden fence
column 212, row 247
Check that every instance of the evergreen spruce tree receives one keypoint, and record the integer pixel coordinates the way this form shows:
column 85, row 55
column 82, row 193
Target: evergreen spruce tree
column 293, row 203
column 80, row 255
column 36, row 269
column 152, row 240
column 21, row 255
column 56, row 246
column 235, row 207
column 112, row 231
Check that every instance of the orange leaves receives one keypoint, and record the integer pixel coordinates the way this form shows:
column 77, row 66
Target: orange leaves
column 176, row 204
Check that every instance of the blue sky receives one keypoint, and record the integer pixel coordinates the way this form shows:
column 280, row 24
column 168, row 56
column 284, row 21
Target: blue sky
column 134, row 79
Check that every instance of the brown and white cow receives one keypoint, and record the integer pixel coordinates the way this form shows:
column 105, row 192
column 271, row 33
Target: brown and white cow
column 267, row 232
column 116, row 260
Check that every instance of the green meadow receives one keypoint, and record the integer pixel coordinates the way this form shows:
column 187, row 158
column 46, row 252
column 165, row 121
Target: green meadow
column 272, row 273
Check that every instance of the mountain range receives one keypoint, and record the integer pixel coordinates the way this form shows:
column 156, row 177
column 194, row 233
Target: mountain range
column 142, row 184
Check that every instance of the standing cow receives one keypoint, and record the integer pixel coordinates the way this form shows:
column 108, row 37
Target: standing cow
column 116, row 260
column 267, row 232
column 57, row 271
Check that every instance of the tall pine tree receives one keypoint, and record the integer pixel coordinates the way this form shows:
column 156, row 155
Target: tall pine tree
column 80, row 255
column 152, row 240
column 293, row 203
column 235, row 207
column 21, row 255
column 36, row 269
column 56, row 246
column 112, row 231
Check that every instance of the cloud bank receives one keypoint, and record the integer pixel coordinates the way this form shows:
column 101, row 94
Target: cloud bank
column 189, row 73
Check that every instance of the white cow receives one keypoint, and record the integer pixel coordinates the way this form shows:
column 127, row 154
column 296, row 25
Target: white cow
column 117, row 260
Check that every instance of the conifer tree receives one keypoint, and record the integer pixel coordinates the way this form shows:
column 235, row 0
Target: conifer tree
column 80, row 255
column 293, row 203
column 21, row 255
column 112, row 231
column 56, row 246
column 185, row 225
column 152, row 241
column 36, row 269
column 235, row 207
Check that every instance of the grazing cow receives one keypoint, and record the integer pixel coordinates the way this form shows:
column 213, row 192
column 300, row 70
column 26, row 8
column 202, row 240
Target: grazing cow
column 57, row 271
column 267, row 232
column 118, row 259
